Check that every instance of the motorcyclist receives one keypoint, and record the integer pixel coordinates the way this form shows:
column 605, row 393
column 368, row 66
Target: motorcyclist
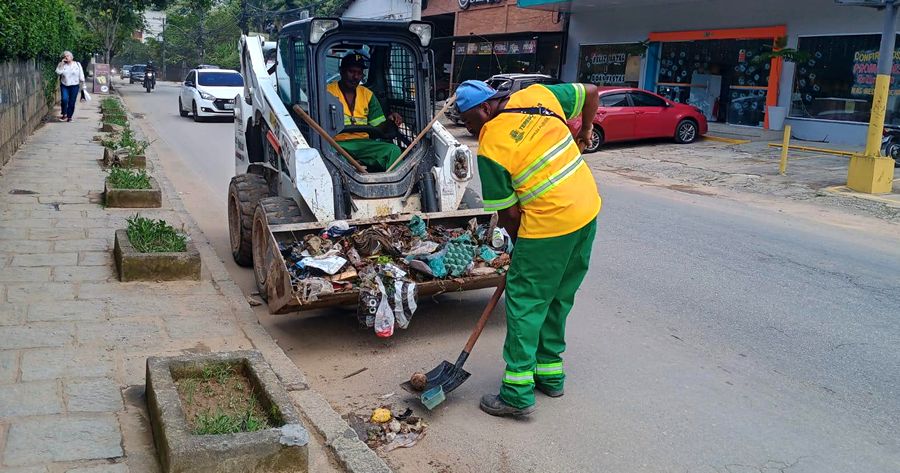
column 148, row 76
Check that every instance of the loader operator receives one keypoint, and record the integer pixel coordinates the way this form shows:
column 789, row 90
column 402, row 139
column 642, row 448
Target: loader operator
column 361, row 107
column 533, row 175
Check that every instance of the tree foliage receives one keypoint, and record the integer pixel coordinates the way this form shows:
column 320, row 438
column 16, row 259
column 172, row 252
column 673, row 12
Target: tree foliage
column 38, row 29
column 111, row 22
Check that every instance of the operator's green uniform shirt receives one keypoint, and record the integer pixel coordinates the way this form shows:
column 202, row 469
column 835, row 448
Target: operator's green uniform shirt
column 375, row 155
column 532, row 161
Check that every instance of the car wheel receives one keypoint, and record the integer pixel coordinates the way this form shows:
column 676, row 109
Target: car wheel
column 194, row 112
column 596, row 140
column 686, row 131
column 181, row 110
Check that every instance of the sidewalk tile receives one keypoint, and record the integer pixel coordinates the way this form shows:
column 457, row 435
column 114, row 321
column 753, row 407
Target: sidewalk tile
column 93, row 395
column 9, row 233
column 95, row 258
column 29, row 223
column 57, row 234
column 25, row 246
column 62, row 438
column 46, row 259
column 9, row 366
column 120, row 332
column 25, row 275
column 113, row 468
column 37, row 335
column 12, row 314
column 71, row 362
column 82, row 273
column 25, row 469
column 200, row 328
column 67, row 310
column 39, row 291
column 84, row 245
column 30, row 399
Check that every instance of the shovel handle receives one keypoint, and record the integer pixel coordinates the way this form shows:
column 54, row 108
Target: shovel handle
column 484, row 317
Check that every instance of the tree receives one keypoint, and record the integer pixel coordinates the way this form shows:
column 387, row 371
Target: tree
column 111, row 22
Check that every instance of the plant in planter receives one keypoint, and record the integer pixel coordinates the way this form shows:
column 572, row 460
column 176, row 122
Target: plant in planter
column 131, row 188
column 126, row 150
column 224, row 413
column 152, row 250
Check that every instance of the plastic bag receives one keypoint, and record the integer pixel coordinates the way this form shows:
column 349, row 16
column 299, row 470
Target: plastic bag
column 384, row 316
column 85, row 95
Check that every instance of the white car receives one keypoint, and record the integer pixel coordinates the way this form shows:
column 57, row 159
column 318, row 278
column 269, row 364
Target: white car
column 209, row 93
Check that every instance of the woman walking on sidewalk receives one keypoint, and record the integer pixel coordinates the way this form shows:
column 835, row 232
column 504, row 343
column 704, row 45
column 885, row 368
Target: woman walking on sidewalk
column 71, row 76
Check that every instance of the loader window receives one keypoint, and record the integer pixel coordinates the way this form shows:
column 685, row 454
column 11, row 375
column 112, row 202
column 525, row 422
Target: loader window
column 300, row 83
column 281, row 76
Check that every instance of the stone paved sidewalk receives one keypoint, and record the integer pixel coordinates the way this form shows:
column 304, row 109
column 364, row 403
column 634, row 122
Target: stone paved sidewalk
column 74, row 340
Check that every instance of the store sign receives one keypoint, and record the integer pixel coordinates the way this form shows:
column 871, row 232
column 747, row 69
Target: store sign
column 465, row 4
column 608, row 64
column 865, row 69
column 499, row 48
column 101, row 79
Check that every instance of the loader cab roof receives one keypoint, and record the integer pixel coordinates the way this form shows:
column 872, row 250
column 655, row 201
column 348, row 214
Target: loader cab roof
column 363, row 26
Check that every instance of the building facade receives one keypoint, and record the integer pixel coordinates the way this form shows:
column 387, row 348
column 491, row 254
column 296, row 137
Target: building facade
column 476, row 39
column 716, row 54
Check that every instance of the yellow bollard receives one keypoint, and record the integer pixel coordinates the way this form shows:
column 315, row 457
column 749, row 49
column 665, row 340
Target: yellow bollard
column 785, row 144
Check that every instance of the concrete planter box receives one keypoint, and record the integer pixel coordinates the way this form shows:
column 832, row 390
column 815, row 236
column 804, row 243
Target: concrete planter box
column 133, row 198
column 110, row 159
column 280, row 449
column 110, row 128
column 134, row 266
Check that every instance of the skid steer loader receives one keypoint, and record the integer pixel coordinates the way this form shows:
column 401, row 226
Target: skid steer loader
column 291, row 182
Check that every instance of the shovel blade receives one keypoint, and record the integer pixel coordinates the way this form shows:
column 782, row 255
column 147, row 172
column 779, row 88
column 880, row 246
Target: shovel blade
column 441, row 380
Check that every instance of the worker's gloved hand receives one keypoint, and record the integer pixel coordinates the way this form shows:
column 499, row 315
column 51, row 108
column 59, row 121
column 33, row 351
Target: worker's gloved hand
column 396, row 118
column 583, row 140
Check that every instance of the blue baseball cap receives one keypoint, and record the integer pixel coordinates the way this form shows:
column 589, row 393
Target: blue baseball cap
column 472, row 93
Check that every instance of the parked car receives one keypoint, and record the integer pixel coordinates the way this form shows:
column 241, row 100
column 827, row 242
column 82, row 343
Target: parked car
column 627, row 114
column 207, row 66
column 510, row 82
column 137, row 73
column 125, row 72
column 209, row 93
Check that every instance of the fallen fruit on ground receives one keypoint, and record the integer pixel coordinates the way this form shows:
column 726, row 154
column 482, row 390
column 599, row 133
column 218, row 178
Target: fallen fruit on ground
column 418, row 381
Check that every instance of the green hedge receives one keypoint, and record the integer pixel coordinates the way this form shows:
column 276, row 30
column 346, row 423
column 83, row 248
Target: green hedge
column 39, row 29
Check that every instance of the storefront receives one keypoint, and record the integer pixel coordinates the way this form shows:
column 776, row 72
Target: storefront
column 495, row 36
column 716, row 55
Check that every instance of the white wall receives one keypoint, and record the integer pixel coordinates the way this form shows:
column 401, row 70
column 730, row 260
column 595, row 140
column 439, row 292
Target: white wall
column 598, row 24
column 381, row 9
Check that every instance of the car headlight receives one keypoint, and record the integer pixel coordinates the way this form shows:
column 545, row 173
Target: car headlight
column 206, row 96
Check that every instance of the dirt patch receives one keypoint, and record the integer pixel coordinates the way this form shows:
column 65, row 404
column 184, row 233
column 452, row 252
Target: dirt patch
column 222, row 399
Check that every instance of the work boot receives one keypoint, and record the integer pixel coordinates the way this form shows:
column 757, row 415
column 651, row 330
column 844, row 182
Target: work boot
column 549, row 391
column 493, row 405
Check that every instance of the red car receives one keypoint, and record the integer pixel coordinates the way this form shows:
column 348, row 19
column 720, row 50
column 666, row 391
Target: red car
column 627, row 114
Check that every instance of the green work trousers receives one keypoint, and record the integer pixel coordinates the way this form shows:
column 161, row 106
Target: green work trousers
column 375, row 155
column 540, row 289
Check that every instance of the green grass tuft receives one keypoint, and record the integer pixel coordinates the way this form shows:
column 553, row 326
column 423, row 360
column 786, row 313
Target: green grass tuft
column 123, row 178
column 154, row 236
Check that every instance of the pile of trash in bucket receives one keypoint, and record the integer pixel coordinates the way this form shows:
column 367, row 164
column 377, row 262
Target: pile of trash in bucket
column 386, row 261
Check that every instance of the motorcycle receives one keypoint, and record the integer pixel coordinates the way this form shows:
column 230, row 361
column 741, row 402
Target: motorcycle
column 890, row 143
column 149, row 81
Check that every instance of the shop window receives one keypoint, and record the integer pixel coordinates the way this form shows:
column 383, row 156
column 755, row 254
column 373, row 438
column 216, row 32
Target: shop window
column 610, row 64
column 722, row 78
column 487, row 58
column 837, row 79
column 646, row 100
column 614, row 100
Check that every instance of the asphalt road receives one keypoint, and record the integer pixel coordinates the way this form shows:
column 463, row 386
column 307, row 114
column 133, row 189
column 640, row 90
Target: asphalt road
column 713, row 334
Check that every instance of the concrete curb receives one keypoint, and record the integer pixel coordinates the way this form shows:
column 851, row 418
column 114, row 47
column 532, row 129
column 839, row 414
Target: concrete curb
column 844, row 191
column 354, row 455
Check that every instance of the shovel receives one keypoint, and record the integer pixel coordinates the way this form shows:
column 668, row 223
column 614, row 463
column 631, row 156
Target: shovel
column 448, row 376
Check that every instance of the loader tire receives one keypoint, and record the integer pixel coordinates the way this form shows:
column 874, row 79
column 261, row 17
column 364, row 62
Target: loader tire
column 244, row 194
column 269, row 211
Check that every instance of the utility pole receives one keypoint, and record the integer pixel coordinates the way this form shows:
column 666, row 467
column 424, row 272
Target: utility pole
column 870, row 172
column 164, row 49
column 243, row 22
column 201, row 41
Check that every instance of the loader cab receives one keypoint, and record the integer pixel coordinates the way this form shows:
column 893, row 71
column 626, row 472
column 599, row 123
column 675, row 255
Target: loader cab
column 399, row 74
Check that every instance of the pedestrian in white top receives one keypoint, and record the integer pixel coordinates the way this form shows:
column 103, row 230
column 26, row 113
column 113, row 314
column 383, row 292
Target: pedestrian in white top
column 71, row 76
